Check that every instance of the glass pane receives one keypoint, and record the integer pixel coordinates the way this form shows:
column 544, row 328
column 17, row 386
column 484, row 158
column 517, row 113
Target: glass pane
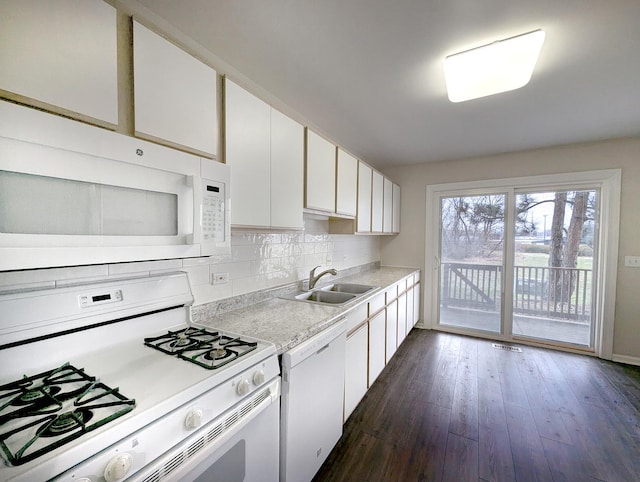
column 471, row 255
column 31, row 204
column 553, row 266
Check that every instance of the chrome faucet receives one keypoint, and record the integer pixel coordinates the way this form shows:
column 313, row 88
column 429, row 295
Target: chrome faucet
column 313, row 279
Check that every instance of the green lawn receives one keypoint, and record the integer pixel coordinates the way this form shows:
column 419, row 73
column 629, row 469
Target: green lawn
column 541, row 260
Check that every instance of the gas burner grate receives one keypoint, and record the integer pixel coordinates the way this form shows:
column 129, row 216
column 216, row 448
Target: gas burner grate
column 45, row 411
column 208, row 349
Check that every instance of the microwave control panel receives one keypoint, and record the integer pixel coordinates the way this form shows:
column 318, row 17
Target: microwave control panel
column 213, row 211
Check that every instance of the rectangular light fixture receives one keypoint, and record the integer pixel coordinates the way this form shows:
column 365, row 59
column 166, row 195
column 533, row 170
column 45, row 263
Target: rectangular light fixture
column 497, row 67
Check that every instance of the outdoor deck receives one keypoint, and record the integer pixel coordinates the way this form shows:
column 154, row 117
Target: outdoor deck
column 565, row 331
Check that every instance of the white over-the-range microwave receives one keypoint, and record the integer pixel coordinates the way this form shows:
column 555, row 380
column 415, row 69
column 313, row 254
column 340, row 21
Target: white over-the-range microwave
column 73, row 194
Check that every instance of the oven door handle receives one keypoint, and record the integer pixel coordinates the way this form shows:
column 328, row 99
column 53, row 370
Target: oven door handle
column 209, row 438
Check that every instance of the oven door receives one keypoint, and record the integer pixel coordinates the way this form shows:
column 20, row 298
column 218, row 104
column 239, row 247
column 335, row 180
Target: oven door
column 247, row 451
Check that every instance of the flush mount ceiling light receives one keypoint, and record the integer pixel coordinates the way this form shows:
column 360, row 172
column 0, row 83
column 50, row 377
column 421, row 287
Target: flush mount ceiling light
column 497, row 67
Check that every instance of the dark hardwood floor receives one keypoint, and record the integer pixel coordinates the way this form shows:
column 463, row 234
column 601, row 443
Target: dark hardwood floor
column 454, row 408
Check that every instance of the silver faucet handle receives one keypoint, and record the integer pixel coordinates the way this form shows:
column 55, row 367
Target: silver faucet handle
column 313, row 271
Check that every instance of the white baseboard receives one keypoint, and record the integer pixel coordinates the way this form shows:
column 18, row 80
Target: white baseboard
column 629, row 360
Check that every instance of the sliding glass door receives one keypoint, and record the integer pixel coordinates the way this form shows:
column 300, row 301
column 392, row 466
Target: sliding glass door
column 472, row 229
column 555, row 239
column 518, row 263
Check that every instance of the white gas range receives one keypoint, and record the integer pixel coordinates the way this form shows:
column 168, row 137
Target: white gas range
column 110, row 381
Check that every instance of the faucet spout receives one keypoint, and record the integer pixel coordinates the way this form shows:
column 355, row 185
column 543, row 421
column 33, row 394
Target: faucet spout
column 313, row 278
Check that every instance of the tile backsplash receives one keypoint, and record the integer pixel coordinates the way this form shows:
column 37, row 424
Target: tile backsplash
column 259, row 260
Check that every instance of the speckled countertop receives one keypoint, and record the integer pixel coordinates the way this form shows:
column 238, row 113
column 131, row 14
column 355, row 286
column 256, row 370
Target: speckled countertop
column 288, row 323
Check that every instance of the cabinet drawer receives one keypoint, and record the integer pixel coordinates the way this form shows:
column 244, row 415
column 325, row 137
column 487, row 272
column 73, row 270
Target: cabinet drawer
column 376, row 304
column 391, row 293
column 355, row 317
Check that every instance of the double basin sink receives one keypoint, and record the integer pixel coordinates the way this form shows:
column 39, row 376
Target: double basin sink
column 334, row 294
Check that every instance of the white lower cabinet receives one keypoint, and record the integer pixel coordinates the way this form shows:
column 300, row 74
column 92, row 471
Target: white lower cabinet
column 355, row 373
column 392, row 329
column 375, row 330
column 377, row 343
column 416, row 300
column 402, row 317
column 357, row 356
column 410, row 311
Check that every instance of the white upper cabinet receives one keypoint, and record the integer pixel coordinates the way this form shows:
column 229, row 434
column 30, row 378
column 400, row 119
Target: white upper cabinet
column 396, row 209
column 248, row 153
column 377, row 202
column 175, row 95
column 346, row 184
column 287, row 171
column 320, row 179
column 387, row 207
column 363, row 219
column 61, row 53
column 265, row 150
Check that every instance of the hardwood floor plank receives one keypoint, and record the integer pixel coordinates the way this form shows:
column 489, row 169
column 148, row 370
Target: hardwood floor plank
column 546, row 410
column 443, row 386
column 495, row 458
column 529, row 460
column 546, row 363
column 464, row 408
column 461, row 459
column 513, row 391
column 566, row 462
column 428, row 448
column 487, row 363
column 617, row 404
column 579, row 376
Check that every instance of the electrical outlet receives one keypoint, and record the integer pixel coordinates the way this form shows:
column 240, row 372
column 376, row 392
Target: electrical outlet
column 632, row 261
column 219, row 278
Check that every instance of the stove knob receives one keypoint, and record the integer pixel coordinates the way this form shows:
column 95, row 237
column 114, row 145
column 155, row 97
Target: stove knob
column 243, row 387
column 258, row 378
column 193, row 419
column 118, row 467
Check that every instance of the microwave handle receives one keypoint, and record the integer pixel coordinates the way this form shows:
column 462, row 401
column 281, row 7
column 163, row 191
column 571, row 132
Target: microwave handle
column 196, row 187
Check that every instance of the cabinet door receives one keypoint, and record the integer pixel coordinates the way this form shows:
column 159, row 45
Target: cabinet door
column 287, row 171
column 377, row 193
column 396, row 209
column 62, row 53
column 346, row 184
column 175, row 94
column 410, row 312
column 364, row 198
column 402, row 318
column 320, row 181
column 355, row 371
column 392, row 329
column 377, row 343
column 387, row 206
column 248, row 121
column 416, row 303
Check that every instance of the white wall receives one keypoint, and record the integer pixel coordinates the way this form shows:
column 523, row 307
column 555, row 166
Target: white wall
column 258, row 260
column 407, row 249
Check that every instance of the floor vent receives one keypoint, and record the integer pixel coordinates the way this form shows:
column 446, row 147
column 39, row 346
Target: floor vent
column 500, row 346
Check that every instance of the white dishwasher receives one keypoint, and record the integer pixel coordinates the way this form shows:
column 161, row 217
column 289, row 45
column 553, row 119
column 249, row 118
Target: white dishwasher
column 311, row 403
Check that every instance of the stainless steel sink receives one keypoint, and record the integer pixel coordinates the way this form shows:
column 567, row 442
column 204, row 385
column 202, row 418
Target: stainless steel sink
column 349, row 288
column 334, row 294
column 326, row 297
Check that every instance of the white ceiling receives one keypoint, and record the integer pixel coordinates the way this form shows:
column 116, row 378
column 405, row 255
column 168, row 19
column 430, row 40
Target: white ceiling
column 368, row 73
